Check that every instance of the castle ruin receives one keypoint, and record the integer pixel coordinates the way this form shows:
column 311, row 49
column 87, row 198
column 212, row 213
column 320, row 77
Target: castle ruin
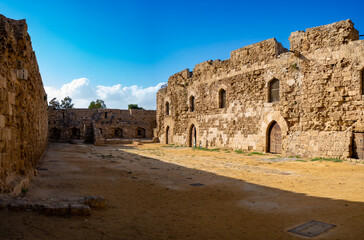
column 100, row 126
column 306, row 101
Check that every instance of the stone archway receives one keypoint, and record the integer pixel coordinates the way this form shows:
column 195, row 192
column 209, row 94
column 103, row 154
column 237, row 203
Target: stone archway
column 75, row 133
column 274, row 116
column 118, row 133
column 274, row 138
column 192, row 136
column 167, row 135
column 141, row 133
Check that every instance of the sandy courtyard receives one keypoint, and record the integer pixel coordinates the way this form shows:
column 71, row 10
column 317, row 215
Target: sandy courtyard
column 165, row 192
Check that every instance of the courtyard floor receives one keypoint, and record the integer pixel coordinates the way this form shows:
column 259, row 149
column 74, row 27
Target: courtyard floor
column 155, row 191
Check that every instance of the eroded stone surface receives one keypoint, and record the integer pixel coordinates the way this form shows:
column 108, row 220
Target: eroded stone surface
column 320, row 96
column 23, row 107
column 95, row 201
column 56, row 207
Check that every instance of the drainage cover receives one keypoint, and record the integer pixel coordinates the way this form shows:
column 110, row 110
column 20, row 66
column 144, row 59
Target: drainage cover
column 197, row 184
column 312, row 228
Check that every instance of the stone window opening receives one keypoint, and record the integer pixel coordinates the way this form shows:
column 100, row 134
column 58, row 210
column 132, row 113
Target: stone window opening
column 222, row 98
column 167, row 108
column 141, row 132
column 192, row 103
column 100, row 130
column 273, row 94
column 105, row 114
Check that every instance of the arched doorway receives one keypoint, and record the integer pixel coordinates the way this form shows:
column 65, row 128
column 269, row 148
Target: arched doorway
column 274, row 138
column 192, row 136
column 118, row 133
column 75, row 133
column 167, row 135
column 55, row 133
column 141, row 132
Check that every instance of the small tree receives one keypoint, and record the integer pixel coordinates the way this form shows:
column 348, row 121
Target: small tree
column 134, row 106
column 55, row 103
column 99, row 104
column 66, row 103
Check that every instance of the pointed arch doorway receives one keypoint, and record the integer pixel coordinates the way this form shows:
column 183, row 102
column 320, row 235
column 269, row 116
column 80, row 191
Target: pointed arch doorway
column 192, row 136
column 167, row 135
column 274, row 138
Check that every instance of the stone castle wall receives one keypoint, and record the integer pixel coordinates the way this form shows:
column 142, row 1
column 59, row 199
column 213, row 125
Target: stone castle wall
column 96, row 125
column 320, row 88
column 23, row 106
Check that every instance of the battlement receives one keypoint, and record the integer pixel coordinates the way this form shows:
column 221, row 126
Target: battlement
column 330, row 35
column 258, row 52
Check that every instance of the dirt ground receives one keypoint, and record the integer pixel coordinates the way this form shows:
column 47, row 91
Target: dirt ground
column 149, row 195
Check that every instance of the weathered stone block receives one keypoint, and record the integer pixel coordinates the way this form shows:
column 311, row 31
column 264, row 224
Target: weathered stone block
column 95, row 201
column 59, row 209
column 80, row 209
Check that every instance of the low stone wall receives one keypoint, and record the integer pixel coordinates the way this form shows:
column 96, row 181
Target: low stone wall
column 97, row 125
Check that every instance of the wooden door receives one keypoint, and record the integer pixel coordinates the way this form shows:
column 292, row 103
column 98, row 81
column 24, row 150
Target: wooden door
column 275, row 139
column 358, row 145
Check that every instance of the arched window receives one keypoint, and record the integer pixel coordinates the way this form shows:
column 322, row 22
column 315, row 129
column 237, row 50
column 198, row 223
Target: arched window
column 192, row 103
column 167, row 108
column 222, row 98
column 273, row 91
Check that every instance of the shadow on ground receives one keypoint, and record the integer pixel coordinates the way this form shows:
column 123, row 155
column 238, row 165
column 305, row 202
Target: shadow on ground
column 151, row 199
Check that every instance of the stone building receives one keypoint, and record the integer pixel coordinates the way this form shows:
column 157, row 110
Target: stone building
column 100, row 126
column 23, row 107
column 307, row 101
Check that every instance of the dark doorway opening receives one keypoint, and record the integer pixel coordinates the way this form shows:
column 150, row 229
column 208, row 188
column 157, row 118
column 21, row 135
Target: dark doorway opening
column 358, row 145
column 192, row 136
column 167, row 135
column 118, row 133
column 55, row 133
column 75, row 133
column 141, row 133
column 89, row 135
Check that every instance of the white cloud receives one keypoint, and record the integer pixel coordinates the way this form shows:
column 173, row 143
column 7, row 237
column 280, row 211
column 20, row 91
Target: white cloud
column 117, row 96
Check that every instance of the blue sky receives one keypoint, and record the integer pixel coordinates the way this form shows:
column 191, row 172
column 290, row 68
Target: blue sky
column 123, row 50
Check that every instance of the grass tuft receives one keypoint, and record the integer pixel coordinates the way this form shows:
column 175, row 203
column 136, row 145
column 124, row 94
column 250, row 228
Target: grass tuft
column 239, row 151
column 257, row 153
column 207, row 149
column 326, row 159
